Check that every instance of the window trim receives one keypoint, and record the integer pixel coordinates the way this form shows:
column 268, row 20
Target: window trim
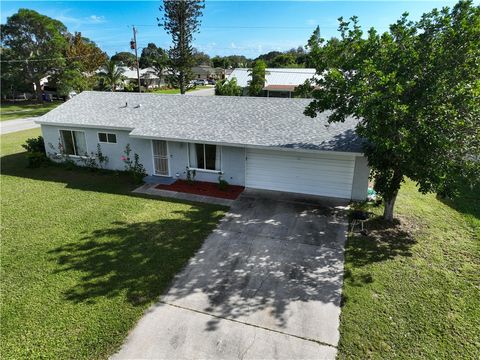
column 73, row 141
column 106, row 133
column 218, row 148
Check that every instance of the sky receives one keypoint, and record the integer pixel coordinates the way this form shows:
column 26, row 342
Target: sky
column 247, row 28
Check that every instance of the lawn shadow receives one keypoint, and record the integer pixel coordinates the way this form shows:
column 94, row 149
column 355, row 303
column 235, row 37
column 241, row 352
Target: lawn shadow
column 384, row 241
column 107, row 181
column 136, row 259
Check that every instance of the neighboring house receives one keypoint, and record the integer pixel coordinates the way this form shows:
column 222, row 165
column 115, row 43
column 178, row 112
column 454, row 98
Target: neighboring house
column 261, row 143
column 149, row 78
column 205, row 72
column 279, row 82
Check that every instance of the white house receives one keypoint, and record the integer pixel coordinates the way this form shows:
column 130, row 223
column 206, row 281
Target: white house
column 149, row 77
column 256, row 142
column 279, row 82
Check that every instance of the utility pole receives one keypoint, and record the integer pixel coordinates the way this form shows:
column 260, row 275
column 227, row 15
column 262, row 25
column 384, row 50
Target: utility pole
column 133, row 46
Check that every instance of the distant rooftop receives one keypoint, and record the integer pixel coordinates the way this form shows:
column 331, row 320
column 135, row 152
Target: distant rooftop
column 275, row 76
column 227, row 120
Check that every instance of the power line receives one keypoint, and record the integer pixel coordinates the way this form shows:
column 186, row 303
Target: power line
column 253, row 27
column 50, row 59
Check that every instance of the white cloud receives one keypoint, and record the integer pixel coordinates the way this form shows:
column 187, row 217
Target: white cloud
column 95, row 19
column 312, row 22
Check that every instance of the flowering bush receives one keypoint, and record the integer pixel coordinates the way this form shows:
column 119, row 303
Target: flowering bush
column 133, row 167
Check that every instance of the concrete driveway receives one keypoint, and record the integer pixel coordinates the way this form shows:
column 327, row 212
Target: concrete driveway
column 202, row 92
column 266, row 284
column 10, row 126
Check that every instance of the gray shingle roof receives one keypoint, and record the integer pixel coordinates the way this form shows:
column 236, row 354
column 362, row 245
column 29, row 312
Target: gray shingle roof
column 251, row 121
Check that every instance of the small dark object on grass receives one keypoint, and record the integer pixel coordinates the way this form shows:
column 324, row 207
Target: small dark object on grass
column 359, row 215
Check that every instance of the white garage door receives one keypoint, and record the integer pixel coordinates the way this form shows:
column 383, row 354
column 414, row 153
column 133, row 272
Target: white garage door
column 306, row 173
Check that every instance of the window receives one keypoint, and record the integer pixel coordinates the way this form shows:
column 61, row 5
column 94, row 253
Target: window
column 204, row 156
column 107, row 138
column 73, row 142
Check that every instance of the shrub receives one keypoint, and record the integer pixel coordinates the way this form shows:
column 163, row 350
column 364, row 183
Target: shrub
column 191, row 173
column 228, row 88
column 96, row 160
column 36, row 159
column 35, row 145
column 35, row 152
column 222, row 184
column 133, row 167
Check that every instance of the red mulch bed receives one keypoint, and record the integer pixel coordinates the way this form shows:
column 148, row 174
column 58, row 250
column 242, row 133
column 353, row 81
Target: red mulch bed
column 204, row 188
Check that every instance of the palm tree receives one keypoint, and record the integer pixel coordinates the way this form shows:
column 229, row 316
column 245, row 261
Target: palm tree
column 112, row 73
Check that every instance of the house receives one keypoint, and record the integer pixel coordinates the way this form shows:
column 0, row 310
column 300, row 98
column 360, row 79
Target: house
column 205, row 72
column 149, row 78
column 279, row 82
column 256, row 142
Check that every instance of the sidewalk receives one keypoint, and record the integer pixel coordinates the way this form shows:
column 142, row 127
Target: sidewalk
column 10, row 126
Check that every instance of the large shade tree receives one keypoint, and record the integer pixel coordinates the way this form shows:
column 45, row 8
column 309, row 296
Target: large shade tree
column 36, row 43
column 124, row 58
column 84, row 58
column 416, row 92
column 181, row 19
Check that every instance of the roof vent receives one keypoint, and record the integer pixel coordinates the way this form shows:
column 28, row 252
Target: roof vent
column 139, row 105
column 126, row 104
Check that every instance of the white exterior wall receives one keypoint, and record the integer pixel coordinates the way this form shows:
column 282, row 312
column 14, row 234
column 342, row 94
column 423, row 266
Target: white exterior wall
column 344, row 175
column 51, row 135
column 232, row 164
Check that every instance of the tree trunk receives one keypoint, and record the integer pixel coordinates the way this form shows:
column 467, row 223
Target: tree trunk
column 388, row 209
column 182, row 82
column 38, row 90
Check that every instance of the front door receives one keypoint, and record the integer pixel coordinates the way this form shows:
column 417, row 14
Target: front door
column 160, row 157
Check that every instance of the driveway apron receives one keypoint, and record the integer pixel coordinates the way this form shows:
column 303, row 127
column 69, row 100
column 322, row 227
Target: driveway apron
column 265, row 284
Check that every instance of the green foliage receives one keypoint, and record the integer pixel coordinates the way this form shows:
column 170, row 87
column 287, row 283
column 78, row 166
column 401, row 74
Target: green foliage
column 228, row 88
column 231, row 61
column 71, row 79
column 133, row 166
column 30, row 35
column 222, row 183
column 257, row 73
column 304, row 90
column 36, row 155
column 84, row 58
column 112, row 75
column 96, row 160
column 293, row 58
column 154, row 57
column 416, row 92
column 124, row 58
column 201, row 58
column 191, row 173
column 36, row 159
column 181, row 20
column 35, row 145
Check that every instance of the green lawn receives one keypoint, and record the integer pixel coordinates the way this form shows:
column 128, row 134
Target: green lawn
column 177, row 91
column 81, row 258
column 19, row 110
column 413, row 291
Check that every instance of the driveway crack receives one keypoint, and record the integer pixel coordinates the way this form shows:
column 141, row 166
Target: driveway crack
column 248, row 324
